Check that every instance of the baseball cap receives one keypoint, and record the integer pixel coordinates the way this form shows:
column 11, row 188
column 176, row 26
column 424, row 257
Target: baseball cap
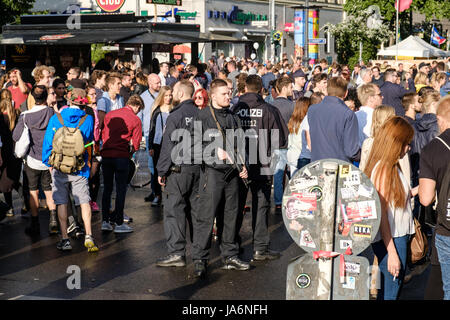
column 3, row 63
column 299, row 73
column 424, row 64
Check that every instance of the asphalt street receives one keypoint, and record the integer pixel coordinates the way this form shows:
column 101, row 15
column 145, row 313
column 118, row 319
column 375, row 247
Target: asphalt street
column 124, row 268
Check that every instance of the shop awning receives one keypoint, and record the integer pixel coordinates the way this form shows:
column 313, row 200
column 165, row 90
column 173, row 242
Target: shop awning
column 158, row 37
column 69, row 37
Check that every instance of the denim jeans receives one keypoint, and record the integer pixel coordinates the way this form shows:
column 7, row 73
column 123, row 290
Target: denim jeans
column 389, row 288
column 278, row 186
column 443, row 248
column 154, row 179
column 114, row 168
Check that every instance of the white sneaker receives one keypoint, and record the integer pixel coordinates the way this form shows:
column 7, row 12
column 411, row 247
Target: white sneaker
column 123, row 228
column 106, row 226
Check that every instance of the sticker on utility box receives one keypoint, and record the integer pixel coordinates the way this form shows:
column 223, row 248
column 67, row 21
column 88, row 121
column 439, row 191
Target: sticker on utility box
column 303, row 281
column 362, row 230
column 352, row 267
column 350, row 283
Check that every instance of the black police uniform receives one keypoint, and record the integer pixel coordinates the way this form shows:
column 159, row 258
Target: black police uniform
column 218, row 188
column 256, row 114
column 182, row 175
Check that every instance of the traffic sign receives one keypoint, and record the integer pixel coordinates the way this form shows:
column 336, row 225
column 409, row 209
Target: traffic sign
column 332, row 211
column 318, row 41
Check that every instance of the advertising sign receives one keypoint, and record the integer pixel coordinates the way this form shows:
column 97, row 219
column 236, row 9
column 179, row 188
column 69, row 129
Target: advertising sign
column 110, row 5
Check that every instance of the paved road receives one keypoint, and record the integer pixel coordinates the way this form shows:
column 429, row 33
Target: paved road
column 124, row 268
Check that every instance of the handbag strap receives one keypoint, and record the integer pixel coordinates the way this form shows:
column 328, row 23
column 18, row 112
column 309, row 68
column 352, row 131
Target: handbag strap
column 443, row 142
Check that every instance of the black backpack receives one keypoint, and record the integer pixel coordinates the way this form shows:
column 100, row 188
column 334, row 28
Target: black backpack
column 443, row 207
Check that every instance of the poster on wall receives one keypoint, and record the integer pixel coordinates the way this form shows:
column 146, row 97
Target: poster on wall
column 299, row 31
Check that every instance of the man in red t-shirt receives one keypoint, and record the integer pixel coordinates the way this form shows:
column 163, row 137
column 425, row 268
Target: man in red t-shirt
column 122, row 128
column 19, row 89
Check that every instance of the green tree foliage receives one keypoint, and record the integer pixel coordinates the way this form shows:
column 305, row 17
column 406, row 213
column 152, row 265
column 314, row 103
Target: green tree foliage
column 354, row 30
column 437, row 9
column 96, row 52
column 10, row 10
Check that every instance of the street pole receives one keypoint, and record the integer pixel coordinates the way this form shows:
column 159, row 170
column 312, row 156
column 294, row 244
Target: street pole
column 327, row 218
column 307, row 32
column 448, row 37
column 138, row 8
column 272, row 28
column 282, row 39
column 396, row 31
column 431, row 36
column 360, row 51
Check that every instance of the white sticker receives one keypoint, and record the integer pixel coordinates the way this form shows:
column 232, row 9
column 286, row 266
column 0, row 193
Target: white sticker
column 361, row 210
column 304, row 183
column 350, row 283
column 353, row 179
column 351, row 267
column 307, row 172
column 348, row 193
column 365, row 191
column 306, row 240
column 344, row 244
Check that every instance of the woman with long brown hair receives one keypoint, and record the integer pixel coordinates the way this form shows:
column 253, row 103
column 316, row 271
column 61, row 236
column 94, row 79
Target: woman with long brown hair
column 160, row 111
column 299, row 142
column 11, row 167
column 390, row 144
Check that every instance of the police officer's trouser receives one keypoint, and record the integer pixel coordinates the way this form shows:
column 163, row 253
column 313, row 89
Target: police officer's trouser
column 260, row 190
column 179, row 199
column 212, row 189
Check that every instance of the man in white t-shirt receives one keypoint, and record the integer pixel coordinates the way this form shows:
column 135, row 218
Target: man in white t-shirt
column 370, row 97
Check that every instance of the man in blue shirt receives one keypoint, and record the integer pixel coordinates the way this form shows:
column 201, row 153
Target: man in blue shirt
column 76, row 182
column 149, row 96
column 333, row 126
column 393, row 93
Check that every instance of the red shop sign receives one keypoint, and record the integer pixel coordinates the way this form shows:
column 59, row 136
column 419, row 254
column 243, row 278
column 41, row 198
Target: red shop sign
column 110, row 5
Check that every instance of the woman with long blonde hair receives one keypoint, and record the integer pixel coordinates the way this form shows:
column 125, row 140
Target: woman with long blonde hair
column 11, row 167
column 6, row 107
column 299, row 142
column 391, row 143
column 160, row 111
column 421, row 80
column 380, row 115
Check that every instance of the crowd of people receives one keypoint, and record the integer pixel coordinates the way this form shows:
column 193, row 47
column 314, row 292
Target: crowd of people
column 61, row 133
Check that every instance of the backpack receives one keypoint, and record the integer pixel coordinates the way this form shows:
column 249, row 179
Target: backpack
column 68, row 148
column 443, row 206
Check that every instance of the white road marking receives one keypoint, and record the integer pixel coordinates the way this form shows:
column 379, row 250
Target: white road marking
column 18, row 297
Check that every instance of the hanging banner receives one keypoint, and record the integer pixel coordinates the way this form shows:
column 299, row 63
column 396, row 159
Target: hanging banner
column 299, row 32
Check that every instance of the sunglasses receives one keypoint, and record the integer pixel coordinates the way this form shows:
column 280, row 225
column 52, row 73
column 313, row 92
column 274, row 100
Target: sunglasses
column 198, row 98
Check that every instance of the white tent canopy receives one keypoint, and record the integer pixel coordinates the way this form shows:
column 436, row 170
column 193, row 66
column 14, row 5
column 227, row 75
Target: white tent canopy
column 413, row 46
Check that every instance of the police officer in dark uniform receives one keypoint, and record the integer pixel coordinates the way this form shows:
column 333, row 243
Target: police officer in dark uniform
column 260, row 119
column 219, row 178
column 179, row 175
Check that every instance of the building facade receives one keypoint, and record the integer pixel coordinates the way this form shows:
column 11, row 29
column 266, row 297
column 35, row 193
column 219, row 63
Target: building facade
column 245, row 21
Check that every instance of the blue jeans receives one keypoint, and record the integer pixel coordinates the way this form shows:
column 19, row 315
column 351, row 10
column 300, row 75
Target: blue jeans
column 389, row 288
column 114, row 168
column 443, row 248
column 154, row 180
column 278, row 176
